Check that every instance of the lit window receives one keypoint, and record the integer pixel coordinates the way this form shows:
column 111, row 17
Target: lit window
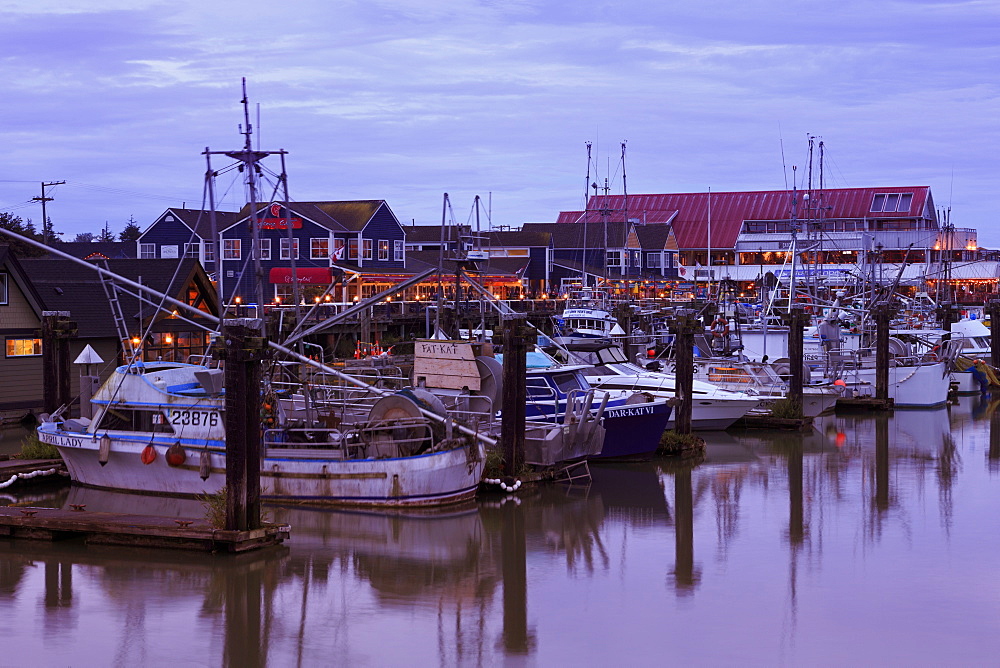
column 147, row 251
column 24, row 347
column 285, row 255
column 352, row 249
column 209, row 251
column 383, row 249
column 319, row 249
column 397, row 250
column 265, row 249
column 231, row 249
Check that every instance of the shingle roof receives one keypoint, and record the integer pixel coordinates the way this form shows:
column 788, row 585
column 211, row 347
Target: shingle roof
column 65, row 285
column 612, row 234
column 529, row 237
column 346, row 216
column 429, row 234
column 108, row 249
column 418, row 261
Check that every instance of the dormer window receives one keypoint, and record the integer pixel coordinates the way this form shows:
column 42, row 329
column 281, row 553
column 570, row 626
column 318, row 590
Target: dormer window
column 892, row 202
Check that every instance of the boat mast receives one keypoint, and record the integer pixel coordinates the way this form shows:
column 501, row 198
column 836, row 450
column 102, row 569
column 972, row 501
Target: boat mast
column 586, row 218
column 794, row 229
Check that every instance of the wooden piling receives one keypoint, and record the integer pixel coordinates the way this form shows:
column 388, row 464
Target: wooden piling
column 994, row 311
column 683, row 331
column 244, row 347
column 56, row 331
column 881, row 314
column 796, row 356
column 516, row 338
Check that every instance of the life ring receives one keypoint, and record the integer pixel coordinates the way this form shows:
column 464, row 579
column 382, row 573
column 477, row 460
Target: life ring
column 720, row 327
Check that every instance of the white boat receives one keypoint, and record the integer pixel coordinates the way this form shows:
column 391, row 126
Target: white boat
column 711, row 406
column 587, row 317
column 160, row 428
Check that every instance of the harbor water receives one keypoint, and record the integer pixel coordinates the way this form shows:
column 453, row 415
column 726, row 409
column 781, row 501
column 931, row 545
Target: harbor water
column 872, row 540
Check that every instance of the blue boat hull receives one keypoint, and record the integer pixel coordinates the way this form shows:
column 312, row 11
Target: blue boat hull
column 633, row 431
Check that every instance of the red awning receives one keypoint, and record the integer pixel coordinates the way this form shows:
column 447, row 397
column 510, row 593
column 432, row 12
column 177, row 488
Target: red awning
column 303, row 275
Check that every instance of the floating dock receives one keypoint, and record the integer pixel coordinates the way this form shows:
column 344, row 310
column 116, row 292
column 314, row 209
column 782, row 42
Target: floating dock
column 771, row 422
column 22, row 472
column 97, row 528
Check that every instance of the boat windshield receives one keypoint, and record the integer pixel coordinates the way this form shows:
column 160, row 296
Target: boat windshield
column 567, row 382
column 612, row 354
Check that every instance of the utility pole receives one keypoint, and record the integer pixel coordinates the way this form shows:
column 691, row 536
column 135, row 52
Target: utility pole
column 43, row 199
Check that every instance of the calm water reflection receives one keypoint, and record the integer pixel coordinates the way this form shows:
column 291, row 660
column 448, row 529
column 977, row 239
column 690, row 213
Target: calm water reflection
column 871, row 540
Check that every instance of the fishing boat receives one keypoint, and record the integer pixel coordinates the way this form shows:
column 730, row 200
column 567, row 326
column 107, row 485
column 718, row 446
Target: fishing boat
column 159, row 428
column 587, row 316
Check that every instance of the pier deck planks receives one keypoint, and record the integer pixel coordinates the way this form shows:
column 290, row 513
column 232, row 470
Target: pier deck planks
column 97, row 528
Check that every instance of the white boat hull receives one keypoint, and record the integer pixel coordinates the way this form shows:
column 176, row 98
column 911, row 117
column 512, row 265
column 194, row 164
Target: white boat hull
column 304, row 476
column 914, row 386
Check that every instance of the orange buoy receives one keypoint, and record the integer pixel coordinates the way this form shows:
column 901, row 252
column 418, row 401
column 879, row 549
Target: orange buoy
column 840, row 383
column 840, row 439
column 175, row 455
column 148, row 454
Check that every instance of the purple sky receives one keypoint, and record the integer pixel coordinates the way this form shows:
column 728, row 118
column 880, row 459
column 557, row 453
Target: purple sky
column 404, row 100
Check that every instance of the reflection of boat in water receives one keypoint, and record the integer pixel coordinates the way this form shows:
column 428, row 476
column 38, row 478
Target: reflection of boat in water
column 160, row 429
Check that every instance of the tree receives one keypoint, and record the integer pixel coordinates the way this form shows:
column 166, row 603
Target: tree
column 131, row 231
column 23, row 228
column 84, row 237
column 106, row 234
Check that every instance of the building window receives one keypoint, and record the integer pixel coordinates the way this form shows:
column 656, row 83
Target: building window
column 231, row 249
column 3, row 288
column 383, row 249
column 892, row 202
column 654, row 260
column 366, row 246
column 24, row 347
column 319, row 249
column 352, row 249
column 209, row 251
column 191, row 250
column 338, row 249
column 265, row 249
column 614, row 258
column 147, row 251
column 285, row 255
column 397, row 250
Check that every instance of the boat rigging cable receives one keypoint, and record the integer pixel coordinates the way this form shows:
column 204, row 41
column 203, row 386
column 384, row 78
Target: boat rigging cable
column 276, row 346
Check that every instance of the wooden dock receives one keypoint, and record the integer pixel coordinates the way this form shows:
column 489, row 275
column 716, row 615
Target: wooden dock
column 97, row 528
column 771, row 422
column 24, row 468
column 858, row 404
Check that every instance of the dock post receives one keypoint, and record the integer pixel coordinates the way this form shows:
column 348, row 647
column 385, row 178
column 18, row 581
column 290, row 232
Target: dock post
column 881, row 313
column 516, row 335
column 994, row 311
column 796, row 356
column 684, row 370
column 56, row 332
column 244, row 349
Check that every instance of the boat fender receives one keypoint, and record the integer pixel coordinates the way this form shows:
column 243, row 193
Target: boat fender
column 175, row 455
column 148, row 455
column 104, row 450
column 205, row 465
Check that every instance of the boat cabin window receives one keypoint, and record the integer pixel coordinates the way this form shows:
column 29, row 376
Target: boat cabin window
column 537, row 387
column 611, row 355
column 126, row 419
column 567, row 382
